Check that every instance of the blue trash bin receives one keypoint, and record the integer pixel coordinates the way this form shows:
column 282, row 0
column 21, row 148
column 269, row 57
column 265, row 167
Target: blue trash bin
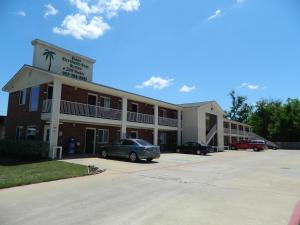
column 72, row 146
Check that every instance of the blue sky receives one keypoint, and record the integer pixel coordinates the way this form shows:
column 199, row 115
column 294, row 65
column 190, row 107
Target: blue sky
column 176, row 51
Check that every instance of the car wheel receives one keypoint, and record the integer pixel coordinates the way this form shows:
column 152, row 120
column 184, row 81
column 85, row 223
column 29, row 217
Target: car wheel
column 104, row 154
column 198, row 152
column 133, row 157
column 255, row 149
column 149, row 160
column 178, row 150
column 204, row 153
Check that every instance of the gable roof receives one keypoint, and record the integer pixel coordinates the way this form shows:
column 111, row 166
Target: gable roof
column 200, row 104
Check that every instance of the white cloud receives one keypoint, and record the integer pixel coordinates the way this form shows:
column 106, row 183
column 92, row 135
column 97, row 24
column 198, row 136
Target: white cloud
column 90, row 20
column 20, row 13
column 80, row 27
column 156, row 83
column 215, row 15
column 186, row 89
column 249, row 86
column 50, row 10
column 109, row 8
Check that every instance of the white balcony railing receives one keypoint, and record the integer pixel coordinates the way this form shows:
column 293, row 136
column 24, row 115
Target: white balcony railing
column 241, row 132
column 140, row 117
column 226, row 130
column 80, row 109
column 164, row 121
column 234, row 131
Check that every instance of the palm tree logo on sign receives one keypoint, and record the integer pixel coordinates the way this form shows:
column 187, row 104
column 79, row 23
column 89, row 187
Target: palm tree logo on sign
column 49, row 54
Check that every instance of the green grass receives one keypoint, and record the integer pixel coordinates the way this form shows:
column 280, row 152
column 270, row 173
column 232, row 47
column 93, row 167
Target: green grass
column 15, row 173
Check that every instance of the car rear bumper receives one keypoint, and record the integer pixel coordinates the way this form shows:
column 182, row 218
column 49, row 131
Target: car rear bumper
column 149, row 156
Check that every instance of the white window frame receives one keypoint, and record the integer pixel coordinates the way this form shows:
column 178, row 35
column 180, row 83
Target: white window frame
column 137, row 107
column 92, row 94
column 49, row 85
column 31, row 127
column 135, row 132
column 46, row 128
column 102, row 141
column 105, row 98
column 121, row 104
column 20, row 128
column 23, row 100
column 164, row 113
column 164, row 142
column 38, row 99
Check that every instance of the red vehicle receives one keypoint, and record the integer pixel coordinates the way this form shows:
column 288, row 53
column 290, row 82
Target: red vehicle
column 256, row 145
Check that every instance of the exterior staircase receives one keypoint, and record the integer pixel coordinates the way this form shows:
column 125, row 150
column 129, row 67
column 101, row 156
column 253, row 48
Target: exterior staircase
column 211, row 134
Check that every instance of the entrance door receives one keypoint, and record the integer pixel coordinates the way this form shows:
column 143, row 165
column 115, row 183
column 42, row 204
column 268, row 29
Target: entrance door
column 89, row 140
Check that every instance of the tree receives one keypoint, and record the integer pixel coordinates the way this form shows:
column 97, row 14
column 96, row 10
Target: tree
column 277, row 121
column 240, row 110
column 49, row 54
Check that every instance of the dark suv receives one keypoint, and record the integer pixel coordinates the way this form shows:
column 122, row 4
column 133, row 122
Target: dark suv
column 194, row 148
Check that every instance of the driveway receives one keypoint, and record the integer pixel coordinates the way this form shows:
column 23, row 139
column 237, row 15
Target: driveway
column 228, row 188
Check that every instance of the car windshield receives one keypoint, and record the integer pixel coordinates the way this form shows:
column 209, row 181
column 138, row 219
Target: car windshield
column 143, row 142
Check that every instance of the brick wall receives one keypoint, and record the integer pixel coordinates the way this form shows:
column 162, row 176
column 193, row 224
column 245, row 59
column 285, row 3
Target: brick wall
column 78, row 131
column 170, row 113
column 143, row 107
column 142, row 134
column 73, row 94
column 19, row 115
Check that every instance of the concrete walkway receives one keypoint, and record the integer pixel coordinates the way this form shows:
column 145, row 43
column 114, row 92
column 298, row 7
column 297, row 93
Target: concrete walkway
column 228, row 188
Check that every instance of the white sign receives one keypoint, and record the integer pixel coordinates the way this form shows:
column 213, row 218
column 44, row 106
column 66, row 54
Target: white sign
column 57, row 60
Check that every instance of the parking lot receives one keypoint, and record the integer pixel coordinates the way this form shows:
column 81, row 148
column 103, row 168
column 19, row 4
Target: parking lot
column 235, row 187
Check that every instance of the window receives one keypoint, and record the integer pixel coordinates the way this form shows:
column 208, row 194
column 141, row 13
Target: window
column 163, row 113
column 19, row 133
column 127, row 142
column 34, row 99
column 105, row 102
column 22, row 97
column 133, row 134
column 134, row 107
column 163, row 138
column 143, row 142
column 103, row 136
column 49, row 92
column 120, row 105
column 31, row 133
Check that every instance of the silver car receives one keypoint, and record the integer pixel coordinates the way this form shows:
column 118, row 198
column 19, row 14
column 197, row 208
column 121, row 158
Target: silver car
column 133, row 149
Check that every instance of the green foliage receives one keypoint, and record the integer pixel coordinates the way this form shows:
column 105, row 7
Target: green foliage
column 240, row 110
column 277, row 121
column 24, row 149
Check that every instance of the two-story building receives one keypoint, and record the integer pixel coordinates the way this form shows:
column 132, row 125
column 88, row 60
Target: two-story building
column 55, row 99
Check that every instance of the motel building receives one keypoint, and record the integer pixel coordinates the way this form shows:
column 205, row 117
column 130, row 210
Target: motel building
column 55, row 99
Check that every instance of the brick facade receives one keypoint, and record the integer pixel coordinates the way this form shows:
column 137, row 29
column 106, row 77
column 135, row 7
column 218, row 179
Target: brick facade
column 142, row 107
column 78, row 132
column 74, row 94
column 169, row 113
column 19, row 115
column 145, row 134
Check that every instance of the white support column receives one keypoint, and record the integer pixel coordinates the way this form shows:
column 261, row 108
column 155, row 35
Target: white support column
column 179, row 128
column 124, row 117
column 54, row 119
column 155, row 134
column 230, row 133
column 220, row 127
